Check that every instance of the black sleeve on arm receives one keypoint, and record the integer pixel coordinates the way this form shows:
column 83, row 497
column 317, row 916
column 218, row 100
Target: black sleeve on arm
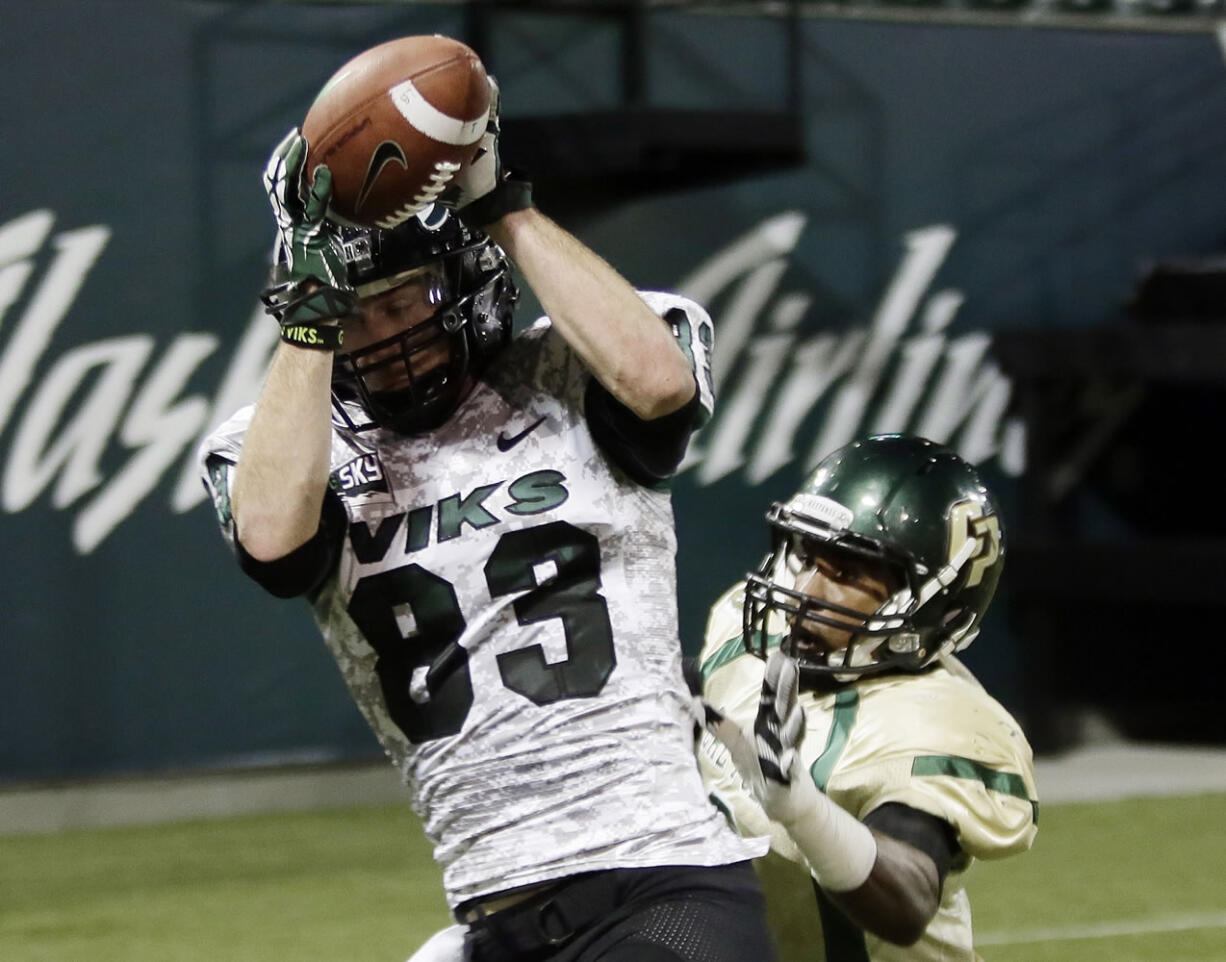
column 648, row 451
column 933, row 836
column 302, row 570
column 691, row 669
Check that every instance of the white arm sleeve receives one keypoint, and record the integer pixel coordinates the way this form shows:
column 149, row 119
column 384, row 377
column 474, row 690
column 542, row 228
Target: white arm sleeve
column 446, row 945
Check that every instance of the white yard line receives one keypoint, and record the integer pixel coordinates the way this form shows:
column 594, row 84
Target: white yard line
column 1103, row 930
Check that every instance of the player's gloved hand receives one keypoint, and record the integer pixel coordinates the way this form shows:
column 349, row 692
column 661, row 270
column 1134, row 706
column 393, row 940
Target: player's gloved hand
column 483, row 191
column 307, row 245
column 840, row 849
column 311, row 288
column 769, row 760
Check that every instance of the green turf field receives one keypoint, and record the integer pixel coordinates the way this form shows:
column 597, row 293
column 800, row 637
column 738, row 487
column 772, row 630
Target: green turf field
column 1130, row 880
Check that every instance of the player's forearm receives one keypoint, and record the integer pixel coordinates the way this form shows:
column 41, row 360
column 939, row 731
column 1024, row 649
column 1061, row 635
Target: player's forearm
column 282, row 471
column 621, row 340
column 886, row 887
column 883, row 885
column 900, row 896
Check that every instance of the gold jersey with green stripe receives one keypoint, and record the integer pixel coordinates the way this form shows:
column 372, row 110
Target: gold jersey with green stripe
column 936, row 741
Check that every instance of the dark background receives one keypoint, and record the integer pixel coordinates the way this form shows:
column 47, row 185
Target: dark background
column 781, row 171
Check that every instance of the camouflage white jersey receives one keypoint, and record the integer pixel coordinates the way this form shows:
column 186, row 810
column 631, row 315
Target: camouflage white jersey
column 507, row 557
column 934, row 741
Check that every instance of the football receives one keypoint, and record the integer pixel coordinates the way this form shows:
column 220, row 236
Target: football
column 395, row 125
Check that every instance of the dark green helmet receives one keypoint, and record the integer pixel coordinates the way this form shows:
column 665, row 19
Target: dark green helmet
column 466, row 278
column 907, row 505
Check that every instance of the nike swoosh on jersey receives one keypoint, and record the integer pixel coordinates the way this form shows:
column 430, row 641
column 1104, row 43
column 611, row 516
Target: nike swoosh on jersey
column 506, row 443
column 388, row 152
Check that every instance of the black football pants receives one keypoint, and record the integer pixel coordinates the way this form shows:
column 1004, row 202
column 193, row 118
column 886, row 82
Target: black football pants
column 669, row 914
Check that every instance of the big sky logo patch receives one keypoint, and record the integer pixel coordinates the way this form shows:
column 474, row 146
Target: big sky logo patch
column 362, row 477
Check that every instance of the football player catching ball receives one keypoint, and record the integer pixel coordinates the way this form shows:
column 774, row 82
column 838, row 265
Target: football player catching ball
column 481, row 524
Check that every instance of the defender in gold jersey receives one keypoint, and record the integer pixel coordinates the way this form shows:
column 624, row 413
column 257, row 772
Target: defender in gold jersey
column 841, row 723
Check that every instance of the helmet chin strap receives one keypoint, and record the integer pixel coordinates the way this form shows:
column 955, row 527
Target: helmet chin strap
column 949, row 572
column 955, row 667
column 861, row 655
column 864, row 653
column 901, row 603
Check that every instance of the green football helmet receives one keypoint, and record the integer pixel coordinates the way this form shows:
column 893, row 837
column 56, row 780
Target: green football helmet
column 901, row 505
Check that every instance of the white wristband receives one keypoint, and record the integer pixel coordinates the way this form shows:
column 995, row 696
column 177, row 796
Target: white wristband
column 839, row 848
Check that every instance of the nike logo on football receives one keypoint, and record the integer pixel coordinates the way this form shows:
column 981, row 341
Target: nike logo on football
column 506, row 443
column 388, row 152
